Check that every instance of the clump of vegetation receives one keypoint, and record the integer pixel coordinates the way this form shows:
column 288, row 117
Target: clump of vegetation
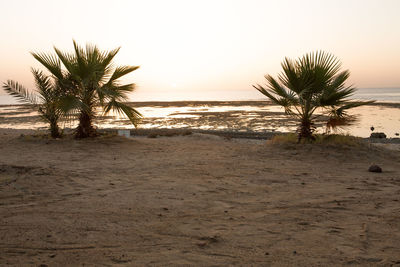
column 310, row 83
column 323, row 139
column 283, row 139
column 46, row 98
column 88, row 79
column 339, row 139
column 152, row 135
column 169, row 133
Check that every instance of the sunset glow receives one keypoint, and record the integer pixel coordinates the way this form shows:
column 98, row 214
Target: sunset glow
column 207, row 49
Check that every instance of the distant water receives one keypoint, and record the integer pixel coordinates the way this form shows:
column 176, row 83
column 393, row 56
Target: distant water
column 7, row 100
column 385, row 95
column 391, row 95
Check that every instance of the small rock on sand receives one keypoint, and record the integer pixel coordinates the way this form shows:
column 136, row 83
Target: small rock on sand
column 377, row 135
column 374, row 168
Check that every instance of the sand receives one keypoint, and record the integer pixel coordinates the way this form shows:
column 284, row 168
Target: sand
column 198, row 200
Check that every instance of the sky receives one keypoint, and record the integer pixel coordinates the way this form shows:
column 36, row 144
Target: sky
column 206, row 49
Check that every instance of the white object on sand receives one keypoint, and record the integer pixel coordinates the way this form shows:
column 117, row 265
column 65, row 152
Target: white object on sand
column 124, row 132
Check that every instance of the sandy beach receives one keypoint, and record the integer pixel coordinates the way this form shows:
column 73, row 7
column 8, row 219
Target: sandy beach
column 200, row 200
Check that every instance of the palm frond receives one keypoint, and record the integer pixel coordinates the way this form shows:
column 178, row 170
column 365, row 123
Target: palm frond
column 121, row 71
column 122, row 109
column 44, row 85
column 18, row 91
column 107, row 57
column 107, row 92
column 324, row 64
column 289, row 77
column 79, row 54
column 119, row 93
column 353, row 104
column 69, row 61
column 339, row 118
column 267, row 94
column 70, row 104
column 50, row 62
column 126, row 88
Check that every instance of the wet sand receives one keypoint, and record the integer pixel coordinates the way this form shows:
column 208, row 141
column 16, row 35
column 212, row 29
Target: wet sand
column 200, row 200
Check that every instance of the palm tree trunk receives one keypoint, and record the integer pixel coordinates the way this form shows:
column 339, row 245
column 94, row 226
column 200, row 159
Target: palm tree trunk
column 54, row 129
column 305, row 130
column 85, row 127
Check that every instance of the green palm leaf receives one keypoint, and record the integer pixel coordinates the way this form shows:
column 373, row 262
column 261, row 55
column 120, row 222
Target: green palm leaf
column 121, row 71
column 20, row 92
column 122, row 109
column 50, row 62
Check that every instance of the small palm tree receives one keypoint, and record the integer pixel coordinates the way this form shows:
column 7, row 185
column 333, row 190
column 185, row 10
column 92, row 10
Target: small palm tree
column 90, row 80
column 46, row 99
column 312, row 82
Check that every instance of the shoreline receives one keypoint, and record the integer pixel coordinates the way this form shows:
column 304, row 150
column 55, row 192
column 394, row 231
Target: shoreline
column 256, row 119
column 231, row 134
column 168, row 132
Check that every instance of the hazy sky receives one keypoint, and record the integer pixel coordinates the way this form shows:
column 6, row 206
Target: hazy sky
column 198, row 49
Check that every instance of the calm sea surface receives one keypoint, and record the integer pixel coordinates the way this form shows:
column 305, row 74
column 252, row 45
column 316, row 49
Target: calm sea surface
column 388, row 95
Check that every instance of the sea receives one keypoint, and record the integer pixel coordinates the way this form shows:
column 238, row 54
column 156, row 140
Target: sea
column 237, row 113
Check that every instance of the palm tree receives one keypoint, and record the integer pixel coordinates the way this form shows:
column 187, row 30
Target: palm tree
column 312, row 82
column 89, row 80
column 46, row 99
